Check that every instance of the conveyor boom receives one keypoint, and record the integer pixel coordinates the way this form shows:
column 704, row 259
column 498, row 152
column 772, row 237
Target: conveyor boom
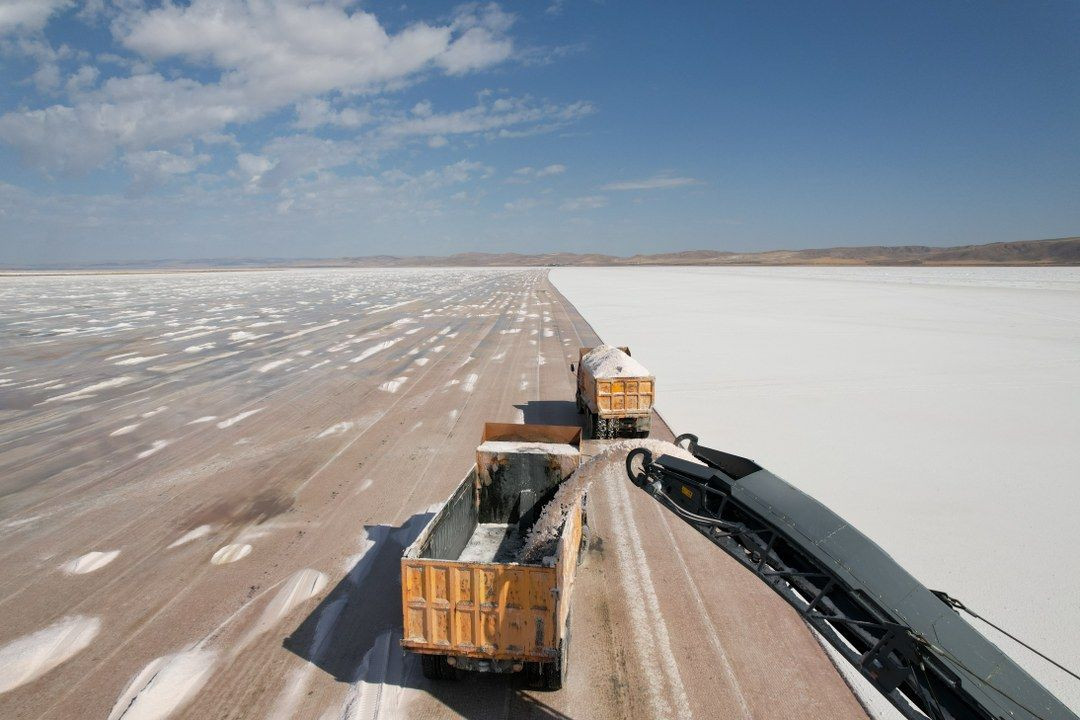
column 906, row 640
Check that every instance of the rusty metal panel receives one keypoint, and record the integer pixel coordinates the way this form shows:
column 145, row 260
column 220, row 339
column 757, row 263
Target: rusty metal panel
column 567, row 553
column 482, row 610
column 625, row 399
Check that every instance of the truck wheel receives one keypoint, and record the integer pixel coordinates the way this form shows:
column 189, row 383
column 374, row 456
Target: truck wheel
column 607, row 429
column 435, row 667
column 599, row 425
column 534, row 674
column 554, row 673
column 553, row 679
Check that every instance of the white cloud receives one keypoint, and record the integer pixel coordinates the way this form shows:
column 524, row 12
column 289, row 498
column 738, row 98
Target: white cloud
column 488, row 16
column 285, row 49
column 477, row 48
column 286, row 159
column 82, row 78
column 494, row 119
column 169, row 100
column 47, row 77
column 251, row 168
column 268, row 56
column 28, row 15
column 393, row 193
column 556, row 7
column 315, row 112
column 521, row 204
column 588, row 202
column 36, row 47
column 454, row 174
column 132, row 113
column 525, row 175
column 165, row 162
column 657, row 182
column 152, row 168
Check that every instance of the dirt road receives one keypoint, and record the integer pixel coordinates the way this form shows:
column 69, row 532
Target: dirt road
column 208, row 480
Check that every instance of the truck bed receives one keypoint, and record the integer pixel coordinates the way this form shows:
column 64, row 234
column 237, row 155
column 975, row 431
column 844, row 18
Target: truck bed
column 464, row 593
column 493, row 543
column 628, row 392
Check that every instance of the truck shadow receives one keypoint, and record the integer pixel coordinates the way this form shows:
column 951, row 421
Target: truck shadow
column 365, row 604
column 550, row 412
column 353, row 636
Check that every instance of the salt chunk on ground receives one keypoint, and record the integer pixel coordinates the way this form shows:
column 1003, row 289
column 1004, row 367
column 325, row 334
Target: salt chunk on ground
column 230, row 553
column 31, row 656
column 605, row 361
column 165, row 685
column 89, row 562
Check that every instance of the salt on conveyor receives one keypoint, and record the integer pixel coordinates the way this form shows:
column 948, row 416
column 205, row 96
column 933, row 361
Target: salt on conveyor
column 608, row 466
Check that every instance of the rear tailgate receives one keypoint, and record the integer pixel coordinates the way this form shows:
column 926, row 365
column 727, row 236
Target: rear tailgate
column 484, row 610
column 624, row 397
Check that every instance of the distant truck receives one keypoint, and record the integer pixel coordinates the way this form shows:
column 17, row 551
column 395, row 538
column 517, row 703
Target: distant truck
column 470, row 603
column 614, row 391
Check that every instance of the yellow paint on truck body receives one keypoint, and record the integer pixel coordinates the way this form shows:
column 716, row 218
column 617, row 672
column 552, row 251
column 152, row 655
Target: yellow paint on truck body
column 481, row 610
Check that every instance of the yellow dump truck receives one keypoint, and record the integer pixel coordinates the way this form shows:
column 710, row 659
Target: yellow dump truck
column 614, row 391
column 470, row 601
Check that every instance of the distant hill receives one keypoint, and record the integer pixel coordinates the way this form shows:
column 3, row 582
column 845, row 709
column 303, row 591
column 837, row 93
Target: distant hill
column 1061, row 251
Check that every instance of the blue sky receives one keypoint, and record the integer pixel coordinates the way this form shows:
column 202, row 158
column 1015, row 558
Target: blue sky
column 240, row 128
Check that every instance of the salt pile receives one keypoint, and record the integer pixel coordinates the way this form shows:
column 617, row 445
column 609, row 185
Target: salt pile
column 539, row 448
column 606, row 361
column 31, row 656
column 89, row 562
column 165, row 685
column 609, row 467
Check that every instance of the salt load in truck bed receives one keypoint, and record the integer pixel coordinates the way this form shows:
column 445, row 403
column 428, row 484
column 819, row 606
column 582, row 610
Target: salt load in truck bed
column 469, row 601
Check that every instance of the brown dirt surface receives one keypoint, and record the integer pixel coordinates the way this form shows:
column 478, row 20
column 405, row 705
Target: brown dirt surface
column 236, row 501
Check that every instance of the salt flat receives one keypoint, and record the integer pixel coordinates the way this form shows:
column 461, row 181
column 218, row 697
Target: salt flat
column 207, row 481
column 936, row 409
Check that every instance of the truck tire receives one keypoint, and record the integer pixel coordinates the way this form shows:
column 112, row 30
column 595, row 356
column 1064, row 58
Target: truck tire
column 609, row 429
column 597, row 427
column 554, row 673
column 435, row 667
